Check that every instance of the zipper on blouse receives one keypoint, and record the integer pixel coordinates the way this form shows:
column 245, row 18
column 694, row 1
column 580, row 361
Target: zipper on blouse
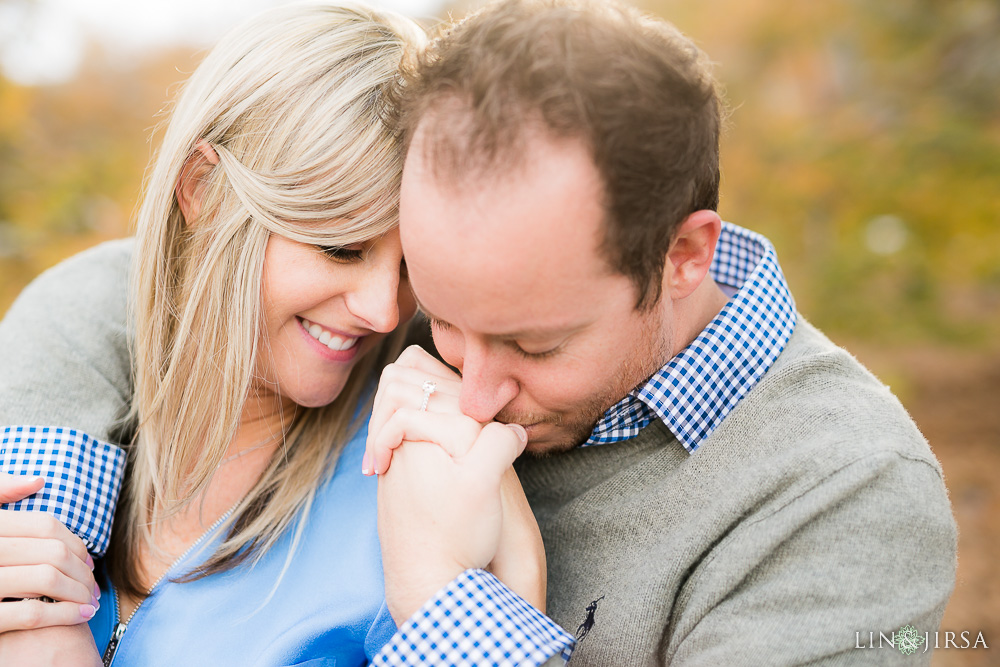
column 116, row 636
column 120, row 628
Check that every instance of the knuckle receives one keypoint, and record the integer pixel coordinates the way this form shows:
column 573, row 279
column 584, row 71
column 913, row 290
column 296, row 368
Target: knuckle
column 30, row 613
column 48, row 576
column 391, row 422
column 396, row 392
column 412, row 352
column 51, row 527
column 389, row 372
column 471, row 427
column 59, row 552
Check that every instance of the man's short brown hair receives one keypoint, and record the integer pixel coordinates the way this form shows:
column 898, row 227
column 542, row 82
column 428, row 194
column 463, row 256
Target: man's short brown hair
column 636, row 90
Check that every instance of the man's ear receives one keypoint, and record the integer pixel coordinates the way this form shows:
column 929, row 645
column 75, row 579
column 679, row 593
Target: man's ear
column 191, row 182
column 690, row 255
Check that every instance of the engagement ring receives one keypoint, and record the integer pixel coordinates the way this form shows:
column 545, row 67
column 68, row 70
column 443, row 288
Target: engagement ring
column 429, row 388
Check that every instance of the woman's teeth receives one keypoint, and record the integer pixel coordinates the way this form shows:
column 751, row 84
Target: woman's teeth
column 337, row 343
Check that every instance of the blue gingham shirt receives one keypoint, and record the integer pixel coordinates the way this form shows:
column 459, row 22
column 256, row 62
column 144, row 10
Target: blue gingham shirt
column 82, row 478
column 476, row 620
column 696, row 389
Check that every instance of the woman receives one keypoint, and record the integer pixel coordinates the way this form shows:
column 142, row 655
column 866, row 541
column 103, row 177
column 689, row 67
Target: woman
column 267, row 288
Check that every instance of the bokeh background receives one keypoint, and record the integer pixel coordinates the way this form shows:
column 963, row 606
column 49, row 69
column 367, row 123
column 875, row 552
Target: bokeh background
column 863, row 139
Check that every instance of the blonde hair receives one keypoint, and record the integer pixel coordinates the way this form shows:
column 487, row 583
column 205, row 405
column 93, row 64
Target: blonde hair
column 296, row 104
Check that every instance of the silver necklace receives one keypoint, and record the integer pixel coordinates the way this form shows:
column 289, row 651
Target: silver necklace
column 237, row 455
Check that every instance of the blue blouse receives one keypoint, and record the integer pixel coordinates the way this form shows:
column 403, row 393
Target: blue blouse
column 327, row 608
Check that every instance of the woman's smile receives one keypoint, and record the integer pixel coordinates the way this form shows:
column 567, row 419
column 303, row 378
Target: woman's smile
column 330, row 345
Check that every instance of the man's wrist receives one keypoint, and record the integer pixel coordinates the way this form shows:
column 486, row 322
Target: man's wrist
column 406, row 592
column 477, row 617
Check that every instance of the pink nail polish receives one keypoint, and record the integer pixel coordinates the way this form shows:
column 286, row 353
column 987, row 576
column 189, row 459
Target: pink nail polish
column 365, row 464
column 97, row 591
column 87, row 611
column 90, row 561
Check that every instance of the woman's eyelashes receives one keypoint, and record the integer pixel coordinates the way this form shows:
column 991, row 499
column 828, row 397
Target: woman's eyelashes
column 342, row 253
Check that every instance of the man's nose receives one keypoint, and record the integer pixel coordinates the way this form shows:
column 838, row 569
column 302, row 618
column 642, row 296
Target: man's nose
column 487, row 385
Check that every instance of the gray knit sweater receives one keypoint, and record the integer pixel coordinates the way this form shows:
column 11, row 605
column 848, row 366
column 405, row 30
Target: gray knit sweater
column 816, row 511
column 814, row 515
column 64, row 357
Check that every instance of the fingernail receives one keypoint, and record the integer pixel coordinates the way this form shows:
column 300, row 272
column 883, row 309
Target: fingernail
column 90, row 563
column 97, row 591
column 87, row 610
column 518, row 430
column 366, row 464
column 39, row 479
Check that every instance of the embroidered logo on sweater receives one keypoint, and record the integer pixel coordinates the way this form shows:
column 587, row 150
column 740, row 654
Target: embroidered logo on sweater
column 588, row 622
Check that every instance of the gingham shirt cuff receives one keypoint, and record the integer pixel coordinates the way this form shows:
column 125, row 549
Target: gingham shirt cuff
column 82, row 477
column 476, row 620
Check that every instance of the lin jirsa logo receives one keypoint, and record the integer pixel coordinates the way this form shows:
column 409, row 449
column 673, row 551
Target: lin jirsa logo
column 908, row 640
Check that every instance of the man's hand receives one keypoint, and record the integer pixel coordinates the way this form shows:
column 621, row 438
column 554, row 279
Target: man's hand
column 39, row 557
column 400, row 387
column 520, row 558
column 440, row 509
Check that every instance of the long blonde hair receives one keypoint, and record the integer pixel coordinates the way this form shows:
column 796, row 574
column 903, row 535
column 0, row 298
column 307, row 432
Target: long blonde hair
column 295, row 103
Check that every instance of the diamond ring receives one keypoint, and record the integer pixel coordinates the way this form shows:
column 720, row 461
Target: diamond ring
column 429, row 388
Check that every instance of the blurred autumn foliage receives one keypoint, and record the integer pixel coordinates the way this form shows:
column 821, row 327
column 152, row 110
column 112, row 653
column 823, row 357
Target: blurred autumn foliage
column 72, row 158
column 864, row 140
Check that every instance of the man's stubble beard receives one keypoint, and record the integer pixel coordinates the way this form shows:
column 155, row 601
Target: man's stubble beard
column 639, row 366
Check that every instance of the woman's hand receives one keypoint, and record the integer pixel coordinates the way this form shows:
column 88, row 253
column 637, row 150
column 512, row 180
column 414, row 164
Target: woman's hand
column 40, row 557
column 401, row 388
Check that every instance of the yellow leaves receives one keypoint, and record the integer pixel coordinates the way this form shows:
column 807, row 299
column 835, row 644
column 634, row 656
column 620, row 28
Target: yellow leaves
column 15, row 106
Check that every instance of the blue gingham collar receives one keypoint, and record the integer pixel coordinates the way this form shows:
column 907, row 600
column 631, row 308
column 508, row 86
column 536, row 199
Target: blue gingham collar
column 695, row 390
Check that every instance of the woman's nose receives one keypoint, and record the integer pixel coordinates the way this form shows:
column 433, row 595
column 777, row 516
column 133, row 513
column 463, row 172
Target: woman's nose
column 376, row 298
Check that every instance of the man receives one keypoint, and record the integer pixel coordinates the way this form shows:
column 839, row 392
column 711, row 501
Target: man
column 716, row 482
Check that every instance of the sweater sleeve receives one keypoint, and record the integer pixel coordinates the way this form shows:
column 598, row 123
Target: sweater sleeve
column 64, row 359
column 870, row 548
column 65, row 389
